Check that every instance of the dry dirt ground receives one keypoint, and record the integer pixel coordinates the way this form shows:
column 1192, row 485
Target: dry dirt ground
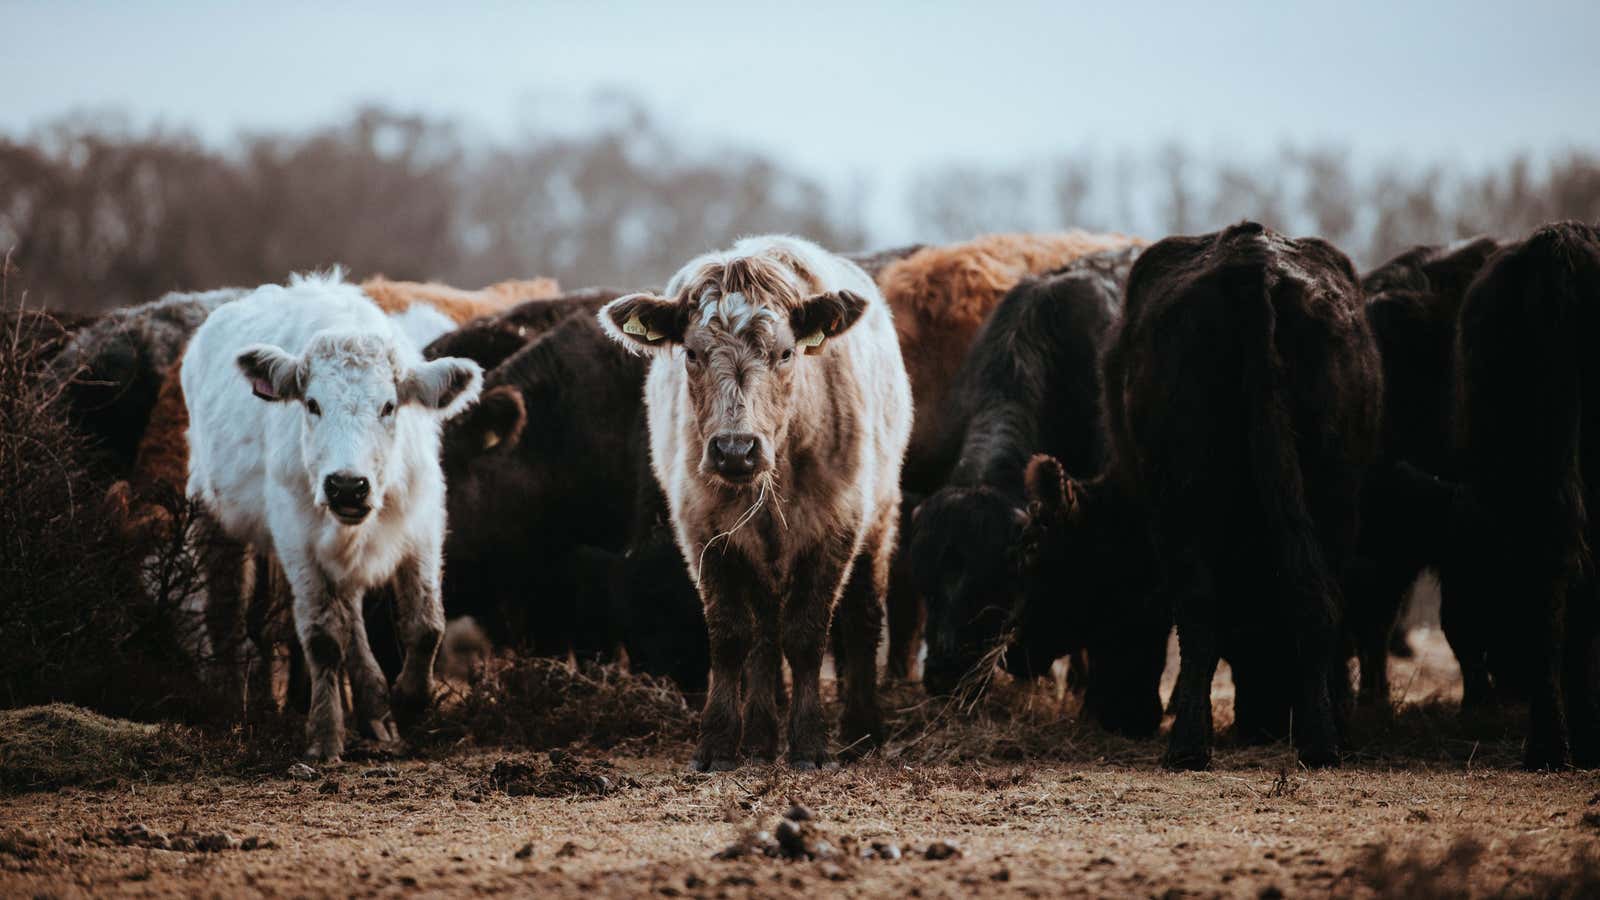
column 1427, row 810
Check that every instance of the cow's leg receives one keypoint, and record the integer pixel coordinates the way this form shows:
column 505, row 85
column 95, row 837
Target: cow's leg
column 763, row 677
column 323, row 620
column 368, row 684
column 1581, row 677
column 1547, row 721
column 1194, row 607
column 908, row 617
column 813, row 589
column 420, row 612
column 726, row 586
column 857, row 627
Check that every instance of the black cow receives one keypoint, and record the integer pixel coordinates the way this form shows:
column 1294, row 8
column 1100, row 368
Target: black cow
column 1519, row 586
column 1412, row 304
column 1028, row 386
column 1243, row 396
column 543, row 464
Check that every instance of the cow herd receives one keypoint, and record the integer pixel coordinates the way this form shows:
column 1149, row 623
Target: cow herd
column 1023, row 448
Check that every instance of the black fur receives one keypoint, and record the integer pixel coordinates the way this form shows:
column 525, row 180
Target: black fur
column 1029, row 385
column 490, row 340
column 1412, row 304
column 1243, row 395
column 1519, row 588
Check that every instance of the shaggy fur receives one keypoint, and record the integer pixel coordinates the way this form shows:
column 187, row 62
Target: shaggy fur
column 340, row 391
column 1412, row 304
column 547, row 462
column 811, row 524
column 109, row 374
column 1243, row 398
column 491, row 340
column 1519, row 588
column 459, row 305
column 1030, row 385
column 942, row 295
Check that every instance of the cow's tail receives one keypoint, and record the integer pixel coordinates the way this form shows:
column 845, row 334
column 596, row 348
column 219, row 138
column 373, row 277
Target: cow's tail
column 1274, row 455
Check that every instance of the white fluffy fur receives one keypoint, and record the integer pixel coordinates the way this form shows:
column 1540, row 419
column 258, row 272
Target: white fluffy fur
column 248, row 464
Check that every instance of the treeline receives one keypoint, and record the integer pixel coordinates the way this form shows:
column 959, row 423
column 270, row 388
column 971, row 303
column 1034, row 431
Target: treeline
column 98, row 215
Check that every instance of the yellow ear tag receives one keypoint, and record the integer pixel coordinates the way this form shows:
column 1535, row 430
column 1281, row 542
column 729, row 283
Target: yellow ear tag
column 812, row 342
column 491, row 440
column 634, row 326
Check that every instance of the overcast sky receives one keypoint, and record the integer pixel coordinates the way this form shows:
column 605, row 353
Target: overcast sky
column 842, row 89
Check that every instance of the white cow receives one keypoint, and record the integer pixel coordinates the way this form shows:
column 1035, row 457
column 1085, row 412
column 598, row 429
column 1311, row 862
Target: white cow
column 314, row 434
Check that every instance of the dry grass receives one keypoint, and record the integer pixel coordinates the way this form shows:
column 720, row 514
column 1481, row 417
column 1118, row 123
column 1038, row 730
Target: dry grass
column 542, row 703
column 59, row 745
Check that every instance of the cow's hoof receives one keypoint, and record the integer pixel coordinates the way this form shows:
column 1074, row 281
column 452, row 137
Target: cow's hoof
column 1545, row 757
column 1183, row 759
column 756, row 759
column 323, row 756
column 383, row 730
column 811, row 762
column 719, row 764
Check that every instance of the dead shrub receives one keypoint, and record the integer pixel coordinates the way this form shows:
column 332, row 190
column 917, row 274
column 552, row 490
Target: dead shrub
column 76, row 623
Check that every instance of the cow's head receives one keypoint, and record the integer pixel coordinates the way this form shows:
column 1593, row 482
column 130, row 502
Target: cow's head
column 963, row 544
column 742, row 350
column 353, row 390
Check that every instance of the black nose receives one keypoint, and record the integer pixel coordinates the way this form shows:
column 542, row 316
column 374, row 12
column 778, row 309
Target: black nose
column 346, row 490
column 735, row 455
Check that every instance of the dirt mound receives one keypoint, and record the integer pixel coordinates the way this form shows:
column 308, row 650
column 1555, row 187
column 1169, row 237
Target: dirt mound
column 57, row 745
column 560, row 775
column 187, row 840
column 543, row 703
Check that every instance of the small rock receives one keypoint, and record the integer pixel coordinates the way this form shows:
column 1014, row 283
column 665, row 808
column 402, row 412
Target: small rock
column 525, row 851
column 250, row 843
column 181, row 844
column 790, row 839
column 823, row 850
column 886, row 851
column 942, row 850
column 381, row 772
column 216, row 843
column 694, row 882
column 558, row 757
column 568, row 850
column 832, row 872
column 302, row 772
column 329, row 787
column 798, row 812
column 1001, row 875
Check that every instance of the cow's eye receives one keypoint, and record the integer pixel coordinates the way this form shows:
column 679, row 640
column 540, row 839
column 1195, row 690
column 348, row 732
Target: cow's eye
column 691, row 356
column 388, row 409
column 788, row 354
column 313, row 408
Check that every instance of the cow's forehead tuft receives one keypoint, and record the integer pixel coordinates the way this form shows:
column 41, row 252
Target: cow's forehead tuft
column 734, row 311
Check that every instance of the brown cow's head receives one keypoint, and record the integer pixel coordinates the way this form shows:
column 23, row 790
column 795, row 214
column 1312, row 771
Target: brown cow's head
column 739, row 331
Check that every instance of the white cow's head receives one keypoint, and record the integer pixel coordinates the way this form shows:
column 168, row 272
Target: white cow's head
column 352, row 388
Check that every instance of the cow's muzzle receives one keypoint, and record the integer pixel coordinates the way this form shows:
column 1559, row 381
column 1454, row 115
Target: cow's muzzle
column 736, row 457
column 347, row 497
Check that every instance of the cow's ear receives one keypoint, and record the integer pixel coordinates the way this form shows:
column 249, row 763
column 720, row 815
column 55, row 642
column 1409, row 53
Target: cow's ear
column 273, row 374
column 825, row 316
column 644, row 322
column 494, row 423
column 1051, row 494
column 449, row 385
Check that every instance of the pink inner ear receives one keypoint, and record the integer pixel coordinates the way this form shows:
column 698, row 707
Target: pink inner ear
column 262, row 389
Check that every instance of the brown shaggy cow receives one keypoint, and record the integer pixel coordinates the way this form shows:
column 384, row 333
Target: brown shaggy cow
column 779, row 412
